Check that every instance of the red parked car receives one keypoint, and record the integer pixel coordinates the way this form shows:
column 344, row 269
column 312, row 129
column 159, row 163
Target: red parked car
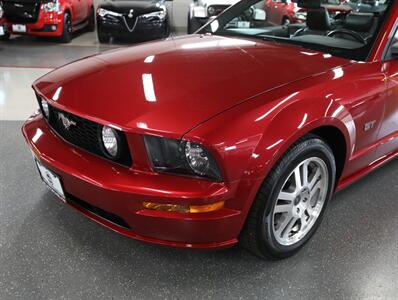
column 51, row 18
column 262, row 128
column 285, row 12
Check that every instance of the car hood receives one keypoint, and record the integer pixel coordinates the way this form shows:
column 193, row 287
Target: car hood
column 174, row 85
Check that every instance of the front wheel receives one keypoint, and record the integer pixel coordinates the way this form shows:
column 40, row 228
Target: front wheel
column 103, row 38
column 91, row 20
column 66, row 36
column 286, row 21
column 5, row 37
column 292, row 200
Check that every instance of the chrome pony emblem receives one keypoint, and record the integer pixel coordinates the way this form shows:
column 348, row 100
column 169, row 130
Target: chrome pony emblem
column 130, row 15
column 65, row 121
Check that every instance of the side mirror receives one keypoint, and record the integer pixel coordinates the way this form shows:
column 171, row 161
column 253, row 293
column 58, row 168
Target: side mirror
column 259, row 15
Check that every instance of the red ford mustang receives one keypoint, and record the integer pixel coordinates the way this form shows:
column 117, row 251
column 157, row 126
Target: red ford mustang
column 241, row 132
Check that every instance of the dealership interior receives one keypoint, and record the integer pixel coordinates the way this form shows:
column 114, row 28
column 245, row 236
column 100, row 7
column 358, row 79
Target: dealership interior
column 49, row 251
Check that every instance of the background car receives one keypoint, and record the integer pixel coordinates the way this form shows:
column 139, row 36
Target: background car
column 51, row 18
column 138, row 20
column 4, row 35
column 201, row 10
column 285, row 12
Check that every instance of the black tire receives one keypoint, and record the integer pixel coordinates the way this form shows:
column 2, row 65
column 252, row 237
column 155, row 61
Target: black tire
column 103, row 38
column 168, row 30
column 66, row 36
column 257, row 235
column 5, row 37
column 285, row 21
column 193, row 24
column 91, row 20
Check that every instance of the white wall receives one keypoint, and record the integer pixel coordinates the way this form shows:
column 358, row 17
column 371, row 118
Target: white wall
column 179, row 14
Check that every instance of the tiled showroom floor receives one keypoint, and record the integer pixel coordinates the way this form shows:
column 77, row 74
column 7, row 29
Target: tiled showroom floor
column 49, row 251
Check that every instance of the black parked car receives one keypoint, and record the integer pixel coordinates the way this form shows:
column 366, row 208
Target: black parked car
column 138, row 20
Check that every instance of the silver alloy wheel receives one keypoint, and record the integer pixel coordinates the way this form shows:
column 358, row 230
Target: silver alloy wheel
column 300, row 201
column 69, row 24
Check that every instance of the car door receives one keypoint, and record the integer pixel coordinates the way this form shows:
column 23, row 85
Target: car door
column 363, row 94
column 388, row 137
column 79, row 8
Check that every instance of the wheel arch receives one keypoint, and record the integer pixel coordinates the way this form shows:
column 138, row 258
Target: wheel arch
column 68, row 10
column 335, row 139
column 328, row 120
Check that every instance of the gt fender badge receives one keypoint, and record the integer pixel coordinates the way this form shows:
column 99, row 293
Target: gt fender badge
column 369, row 125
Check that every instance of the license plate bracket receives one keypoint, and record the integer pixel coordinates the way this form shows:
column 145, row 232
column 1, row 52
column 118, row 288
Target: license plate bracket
column 19, row 28
column 52, row 180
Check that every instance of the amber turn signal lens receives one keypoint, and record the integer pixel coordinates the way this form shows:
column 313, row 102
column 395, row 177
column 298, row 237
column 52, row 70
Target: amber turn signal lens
column 194, row 209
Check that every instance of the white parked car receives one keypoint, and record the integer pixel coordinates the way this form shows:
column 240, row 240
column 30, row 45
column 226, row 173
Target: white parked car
column 201, row 11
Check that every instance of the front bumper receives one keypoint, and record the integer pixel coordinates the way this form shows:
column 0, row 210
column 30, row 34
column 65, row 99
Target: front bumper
column 141, row 30
column 113, row 195
column 47, row 24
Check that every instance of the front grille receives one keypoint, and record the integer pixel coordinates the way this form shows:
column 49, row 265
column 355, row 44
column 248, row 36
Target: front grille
column 218, row 9
column 87, row 135
column 130, row 23
column 21, row 11
column 97, row 211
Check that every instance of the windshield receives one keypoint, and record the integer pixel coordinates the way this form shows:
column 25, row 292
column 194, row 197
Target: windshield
column 342, row 28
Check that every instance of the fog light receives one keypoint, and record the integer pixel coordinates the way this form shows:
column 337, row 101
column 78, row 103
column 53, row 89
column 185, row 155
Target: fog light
column 44, row 107
column 193, row 209
column 109, row 140
column 54, row 27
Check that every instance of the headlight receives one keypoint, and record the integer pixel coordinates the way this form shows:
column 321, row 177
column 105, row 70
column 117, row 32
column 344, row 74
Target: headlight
column 103, row 12
column 110, row 141
column 52, row 6
column 44, row 108
column 211, row 10
column 161, row 14
column 1, row 10
column 181, row 157
column 197, row 158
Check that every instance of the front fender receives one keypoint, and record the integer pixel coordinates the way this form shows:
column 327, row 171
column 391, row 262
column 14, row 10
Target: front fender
column 294, row 121
column 248, row 139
